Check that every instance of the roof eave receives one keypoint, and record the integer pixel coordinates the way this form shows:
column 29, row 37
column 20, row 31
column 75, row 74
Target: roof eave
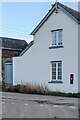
column 42, row 21
column 65, row 11
column 29, row 45
column 5, row 48
column 49, row 13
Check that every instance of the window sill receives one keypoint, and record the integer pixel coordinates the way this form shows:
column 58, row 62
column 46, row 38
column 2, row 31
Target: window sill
column 55, row 81
column 53, row 47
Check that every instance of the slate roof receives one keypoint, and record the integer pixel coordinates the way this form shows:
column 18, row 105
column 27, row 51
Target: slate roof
column 13, row 44
column 73, row 12
column 29, row 45
column 75, row 15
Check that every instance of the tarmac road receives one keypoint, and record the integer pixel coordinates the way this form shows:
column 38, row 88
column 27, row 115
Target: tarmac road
column 15, row 105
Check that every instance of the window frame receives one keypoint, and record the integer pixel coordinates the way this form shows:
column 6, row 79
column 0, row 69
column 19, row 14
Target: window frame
column 56, row 41
column 56, row 80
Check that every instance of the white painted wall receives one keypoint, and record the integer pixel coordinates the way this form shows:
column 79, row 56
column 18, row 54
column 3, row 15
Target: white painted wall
column 79, row 57
column 0, row 60
column 0, row 65
column 34, row 65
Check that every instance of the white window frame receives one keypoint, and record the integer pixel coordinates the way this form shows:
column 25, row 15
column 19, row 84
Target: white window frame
column 57, row 74
column 57, row 37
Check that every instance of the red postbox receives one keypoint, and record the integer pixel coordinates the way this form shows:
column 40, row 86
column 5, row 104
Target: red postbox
column 71, row 78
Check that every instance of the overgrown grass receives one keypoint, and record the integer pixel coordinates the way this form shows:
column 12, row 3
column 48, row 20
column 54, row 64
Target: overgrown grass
column 36, row 89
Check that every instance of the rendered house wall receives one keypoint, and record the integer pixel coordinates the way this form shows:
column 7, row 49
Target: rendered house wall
column 34, row 66
column 79, row 58
column 0, row 65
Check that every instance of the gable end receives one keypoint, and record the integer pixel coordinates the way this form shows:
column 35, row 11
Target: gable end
column 75, row 15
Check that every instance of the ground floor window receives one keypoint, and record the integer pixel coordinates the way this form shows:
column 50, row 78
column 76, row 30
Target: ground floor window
column 56, row 70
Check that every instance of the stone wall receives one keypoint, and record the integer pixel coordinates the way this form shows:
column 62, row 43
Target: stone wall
column 7, row 56
column 10, row 53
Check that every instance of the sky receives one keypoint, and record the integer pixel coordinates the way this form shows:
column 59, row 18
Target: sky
column 20, row 18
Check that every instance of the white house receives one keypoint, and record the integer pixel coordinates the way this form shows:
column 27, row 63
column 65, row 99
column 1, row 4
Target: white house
column 0, row 60
column 52, row 58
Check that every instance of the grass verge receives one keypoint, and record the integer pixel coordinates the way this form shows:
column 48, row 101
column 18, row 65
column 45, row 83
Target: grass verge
column 36, row 89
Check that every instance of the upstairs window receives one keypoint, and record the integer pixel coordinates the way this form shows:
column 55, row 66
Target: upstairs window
column 57, row 37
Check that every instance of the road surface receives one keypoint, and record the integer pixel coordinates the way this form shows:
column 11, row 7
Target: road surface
column 16, row 105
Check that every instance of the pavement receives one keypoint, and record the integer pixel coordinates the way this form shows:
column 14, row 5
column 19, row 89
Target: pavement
column 16, row 105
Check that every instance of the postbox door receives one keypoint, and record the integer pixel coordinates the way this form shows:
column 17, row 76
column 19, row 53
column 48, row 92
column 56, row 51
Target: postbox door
column 71, row 78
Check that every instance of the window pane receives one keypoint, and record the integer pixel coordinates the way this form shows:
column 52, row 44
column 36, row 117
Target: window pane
column 53, row 77
column 59, row 77
column 60, row 37
column 59, row 70
column 54, row 35
column 53, row 64
column 59, row 64
column 53, row 70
